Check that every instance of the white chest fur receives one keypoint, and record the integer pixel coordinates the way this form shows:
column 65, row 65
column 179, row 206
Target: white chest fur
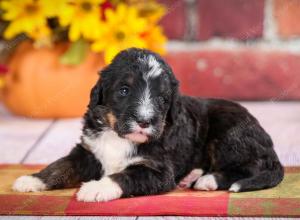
column 114, row 153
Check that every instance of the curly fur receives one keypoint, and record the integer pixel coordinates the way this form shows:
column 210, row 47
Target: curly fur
column 218, row 137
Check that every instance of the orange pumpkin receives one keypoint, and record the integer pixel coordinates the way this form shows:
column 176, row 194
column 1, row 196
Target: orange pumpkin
column 38, row 86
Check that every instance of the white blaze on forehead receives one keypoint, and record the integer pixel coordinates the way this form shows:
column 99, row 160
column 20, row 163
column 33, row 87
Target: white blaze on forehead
column 145, row 108
column 154, row 66
column 155, row 69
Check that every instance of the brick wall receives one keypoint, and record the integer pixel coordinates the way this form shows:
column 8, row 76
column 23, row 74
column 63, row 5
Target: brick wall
column 238, row 49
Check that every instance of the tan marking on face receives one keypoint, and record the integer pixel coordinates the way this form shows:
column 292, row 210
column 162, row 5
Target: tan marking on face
column 111, row 118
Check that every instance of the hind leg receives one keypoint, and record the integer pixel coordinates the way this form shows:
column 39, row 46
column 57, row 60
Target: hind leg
column 207, row 182
column 231, row 159
column 218, row 181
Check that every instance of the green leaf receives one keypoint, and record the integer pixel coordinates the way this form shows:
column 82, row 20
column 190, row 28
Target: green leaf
column 75, row 54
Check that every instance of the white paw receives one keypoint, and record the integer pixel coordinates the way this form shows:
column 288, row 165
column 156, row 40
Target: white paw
column 99, row 191
column 207, row 182
column 235, row 187
column 28, row 184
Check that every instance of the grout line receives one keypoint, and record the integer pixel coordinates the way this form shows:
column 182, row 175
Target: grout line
column 191, row 20
column 36, row 143
column 270, row 27
column 291, row 46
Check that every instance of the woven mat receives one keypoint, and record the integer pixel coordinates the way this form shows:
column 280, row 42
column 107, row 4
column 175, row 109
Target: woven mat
column 283, row 200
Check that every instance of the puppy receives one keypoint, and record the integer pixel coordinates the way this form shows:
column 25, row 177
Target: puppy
column 141, row 137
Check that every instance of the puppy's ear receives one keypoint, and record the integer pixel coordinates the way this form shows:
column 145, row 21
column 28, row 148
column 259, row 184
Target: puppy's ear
column 96, row 95
column 173, row 110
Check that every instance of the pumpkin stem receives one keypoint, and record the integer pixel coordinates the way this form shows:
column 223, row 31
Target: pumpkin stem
column 75, row 54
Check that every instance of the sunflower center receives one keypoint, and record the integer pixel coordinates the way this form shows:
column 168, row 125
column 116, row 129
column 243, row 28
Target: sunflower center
column 86, row 6
column 120, row 35
column 31, row 8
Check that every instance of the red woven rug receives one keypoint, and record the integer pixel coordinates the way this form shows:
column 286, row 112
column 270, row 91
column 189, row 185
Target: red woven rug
column 283, row 200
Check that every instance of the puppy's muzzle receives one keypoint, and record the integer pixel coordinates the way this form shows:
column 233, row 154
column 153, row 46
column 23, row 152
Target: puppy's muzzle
column 141, row 131
column 143, row 123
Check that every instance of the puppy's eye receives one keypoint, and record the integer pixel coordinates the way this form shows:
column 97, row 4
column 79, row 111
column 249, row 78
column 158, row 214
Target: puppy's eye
column 124, row 91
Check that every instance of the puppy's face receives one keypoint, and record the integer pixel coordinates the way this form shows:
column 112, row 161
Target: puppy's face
column 137, row 90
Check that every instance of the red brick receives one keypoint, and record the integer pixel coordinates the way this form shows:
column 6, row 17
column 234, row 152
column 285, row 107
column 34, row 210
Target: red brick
column 239, row 19
column 174, row 20
column 240, row 75
column 287, row 14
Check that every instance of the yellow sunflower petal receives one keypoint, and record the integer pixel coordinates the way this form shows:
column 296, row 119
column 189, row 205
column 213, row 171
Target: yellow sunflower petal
column 54, row 7
column 97, row 1
column 110, row 53
column 98, row 46
column 74, row 32
column 12, row 30
column 121, row 10
column 65, row 15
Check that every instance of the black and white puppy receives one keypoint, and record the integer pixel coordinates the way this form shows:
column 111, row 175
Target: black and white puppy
column 142, row 137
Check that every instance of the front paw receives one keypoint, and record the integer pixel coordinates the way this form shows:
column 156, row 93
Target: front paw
column 99, row 191
column 28, row 184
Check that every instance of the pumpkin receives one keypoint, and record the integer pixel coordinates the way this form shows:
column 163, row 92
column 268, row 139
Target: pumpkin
column 39, row 86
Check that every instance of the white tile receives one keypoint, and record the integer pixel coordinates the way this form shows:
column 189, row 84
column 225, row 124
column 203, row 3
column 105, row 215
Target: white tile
column 57, row 143
column 18, row 135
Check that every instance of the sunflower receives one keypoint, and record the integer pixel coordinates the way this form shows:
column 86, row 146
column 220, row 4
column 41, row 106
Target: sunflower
column 83, row 18
column 26, row 16
column 122, row 29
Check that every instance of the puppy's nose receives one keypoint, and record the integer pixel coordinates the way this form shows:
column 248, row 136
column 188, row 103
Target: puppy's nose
column 143, row 123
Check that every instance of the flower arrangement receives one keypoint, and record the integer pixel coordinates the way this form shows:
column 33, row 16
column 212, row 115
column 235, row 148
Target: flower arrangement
column 70, row 40
column 101, row 25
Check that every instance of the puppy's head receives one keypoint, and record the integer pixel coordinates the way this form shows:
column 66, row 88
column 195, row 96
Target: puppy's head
column 137, row 91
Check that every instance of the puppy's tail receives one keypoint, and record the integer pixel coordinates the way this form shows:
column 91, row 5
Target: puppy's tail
column 265, row 179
